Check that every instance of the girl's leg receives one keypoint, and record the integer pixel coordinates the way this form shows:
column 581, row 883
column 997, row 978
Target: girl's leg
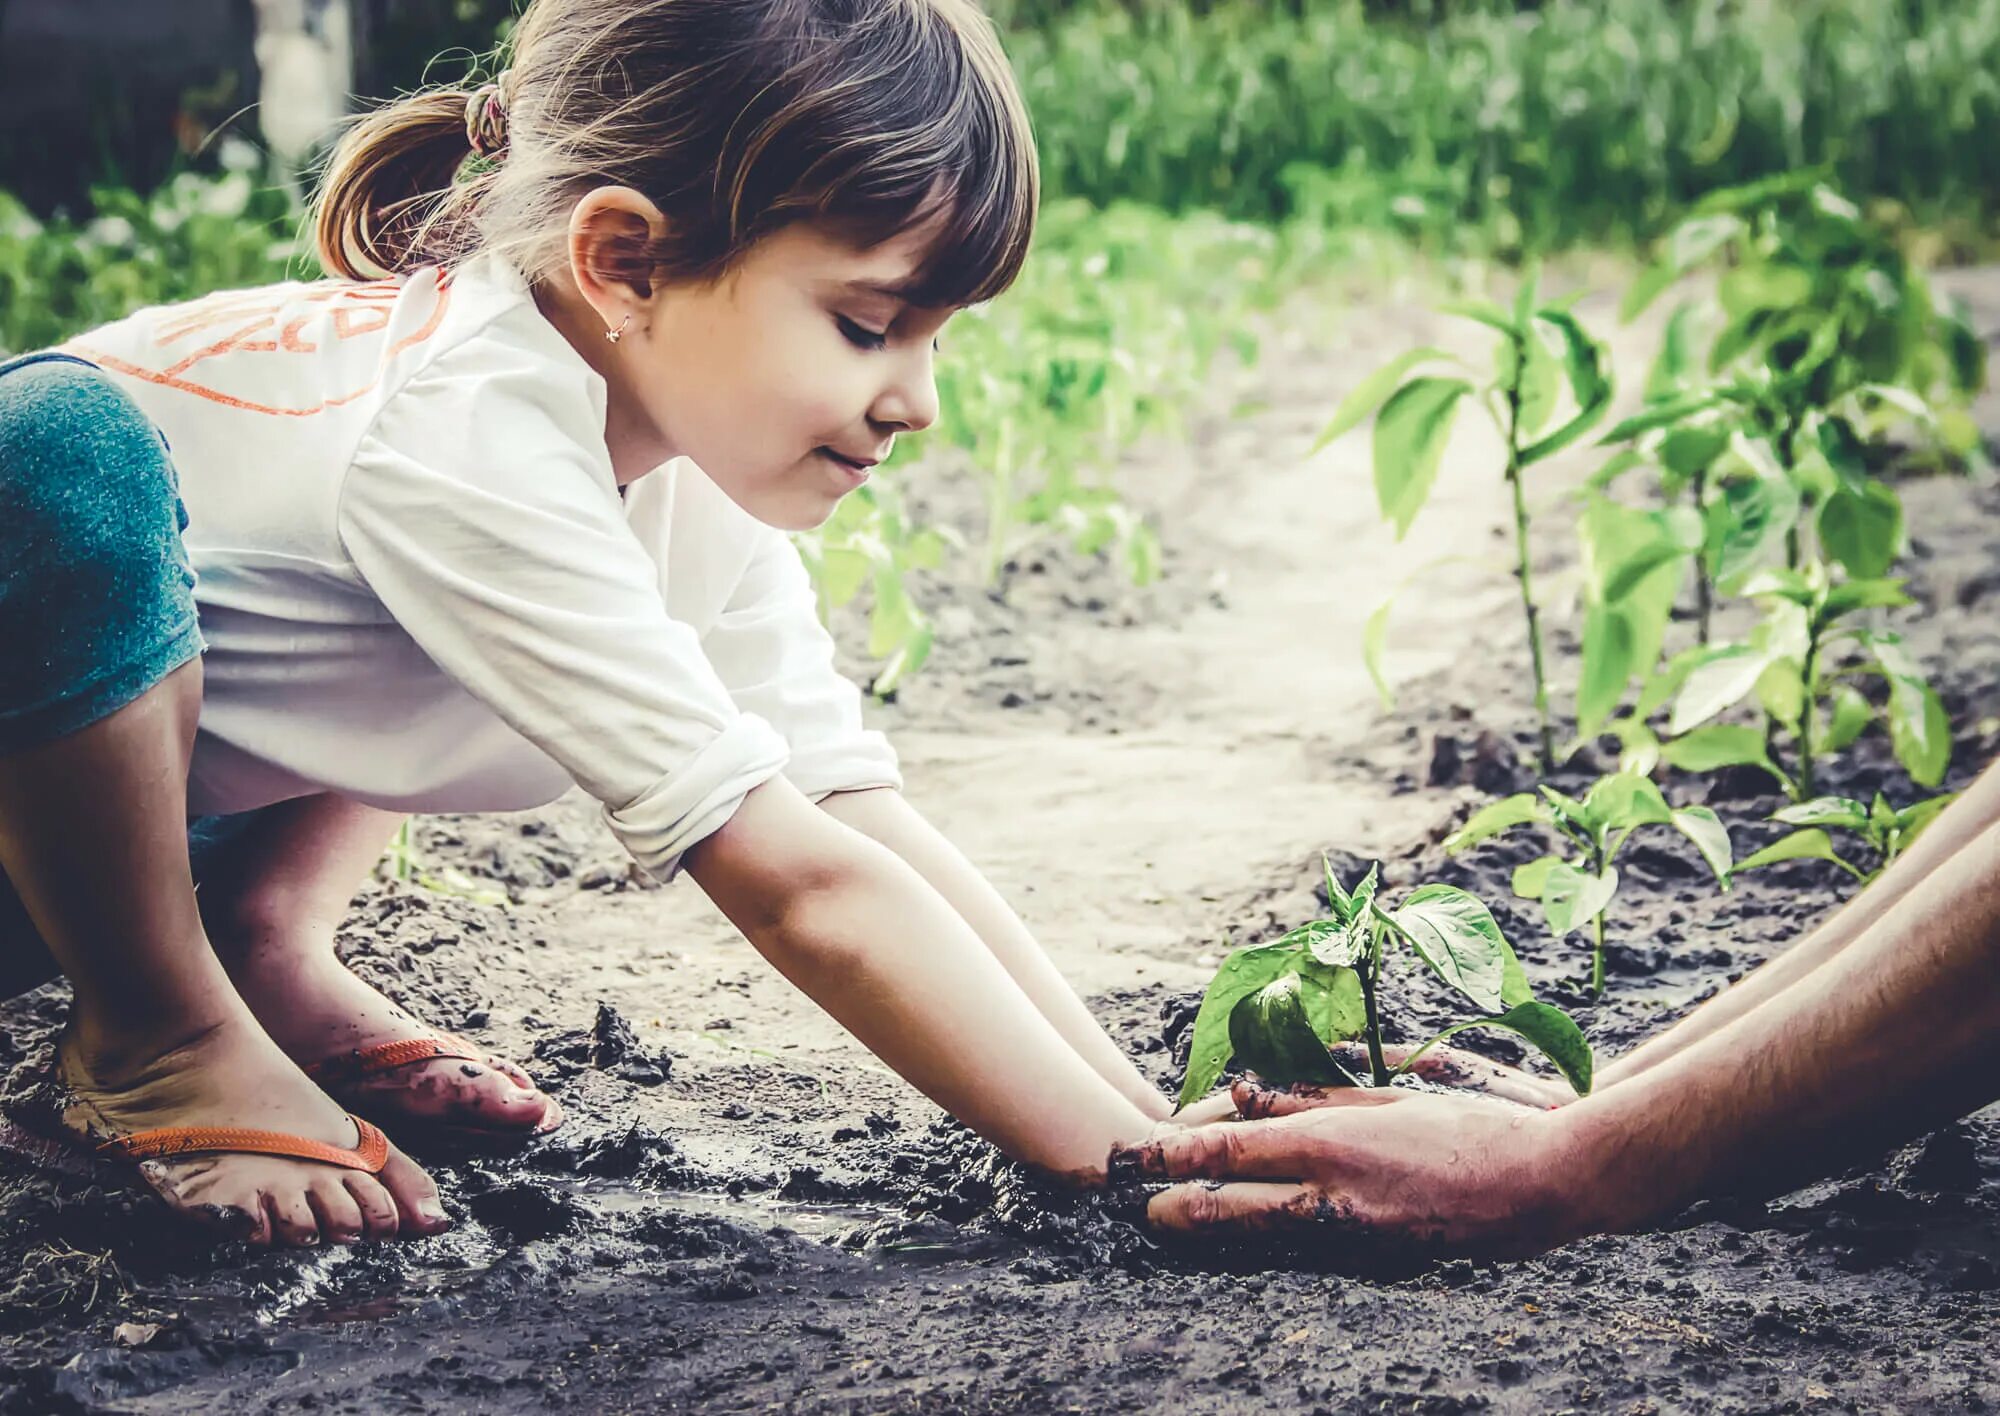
column 272, row 911
column 97, row 720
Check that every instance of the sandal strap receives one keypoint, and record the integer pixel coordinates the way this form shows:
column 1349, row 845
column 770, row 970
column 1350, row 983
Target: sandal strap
column 370, row 1153
column 388, row 1056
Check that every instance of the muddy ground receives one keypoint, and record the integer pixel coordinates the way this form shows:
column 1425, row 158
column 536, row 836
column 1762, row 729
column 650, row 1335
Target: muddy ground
column 746, row 1212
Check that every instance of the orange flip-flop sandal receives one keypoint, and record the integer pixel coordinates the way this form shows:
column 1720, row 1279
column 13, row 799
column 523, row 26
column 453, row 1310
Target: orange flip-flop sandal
column 368, row 1155
column 340, row 1077
column 57, row 1147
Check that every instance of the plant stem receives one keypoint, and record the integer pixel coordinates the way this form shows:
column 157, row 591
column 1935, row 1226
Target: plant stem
column 1521, row 570
column 1369, row 976
column 1811, row 697
column 1788, row 453
column 1597, row 930
column 1704, row 588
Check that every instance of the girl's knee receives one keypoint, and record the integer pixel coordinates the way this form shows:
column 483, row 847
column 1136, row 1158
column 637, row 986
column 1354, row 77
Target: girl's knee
column 96, row 588
column 82, row 469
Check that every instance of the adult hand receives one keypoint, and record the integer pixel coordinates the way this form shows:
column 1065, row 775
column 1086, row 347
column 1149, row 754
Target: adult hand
column 1406, row 1172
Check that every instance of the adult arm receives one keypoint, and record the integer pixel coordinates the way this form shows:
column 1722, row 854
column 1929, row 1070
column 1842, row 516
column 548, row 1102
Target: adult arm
column 1976, row 810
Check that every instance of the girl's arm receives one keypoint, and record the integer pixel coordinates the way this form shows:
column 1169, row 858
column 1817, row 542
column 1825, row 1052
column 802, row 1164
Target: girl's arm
column 886, row 816
column 868, row 938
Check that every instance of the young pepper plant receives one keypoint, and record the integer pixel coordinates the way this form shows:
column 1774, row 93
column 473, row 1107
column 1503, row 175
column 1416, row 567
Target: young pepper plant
column 1279, row 1007
column 1882, row 829
column 1578, row 890
column 1799, row 662
column 1542, row 350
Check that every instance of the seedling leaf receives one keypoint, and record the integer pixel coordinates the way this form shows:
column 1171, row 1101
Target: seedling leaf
column 1710, row 837
column 1533, row 878
column 1625, row 799
column 1369, row 394
column 1608, row 652
column 1721, row 682
column 1374, row 643
column 1556, row 1035
column 1495, row 817
column 1919, row 730
column 1271, row 1035
column 1572, row 898
column 1863, row 530
column 1410, row 437
column 1852, row 713
column 1720, row 745
column 1587, row 382
column 1241, row 974
column 1913, row 820
column 1810, row 844
column 1455, row 934
column 1825, row 811
column 1863, row 595
column 1333, row 1001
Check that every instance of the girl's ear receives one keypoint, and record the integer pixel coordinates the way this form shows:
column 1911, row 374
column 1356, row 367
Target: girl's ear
column 610, row 231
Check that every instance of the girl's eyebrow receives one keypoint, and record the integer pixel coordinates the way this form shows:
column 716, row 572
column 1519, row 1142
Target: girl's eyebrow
column 901, row 291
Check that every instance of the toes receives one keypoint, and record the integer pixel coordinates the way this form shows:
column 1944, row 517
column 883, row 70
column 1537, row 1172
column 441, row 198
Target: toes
column 377, row 1209
column 415, row 1194
column 292, row 1220
column 337, row 1213
column 206, row 1193
column 464, row 1093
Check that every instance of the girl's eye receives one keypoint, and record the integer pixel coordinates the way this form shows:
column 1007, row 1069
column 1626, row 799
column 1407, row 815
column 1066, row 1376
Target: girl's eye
column 860, row 336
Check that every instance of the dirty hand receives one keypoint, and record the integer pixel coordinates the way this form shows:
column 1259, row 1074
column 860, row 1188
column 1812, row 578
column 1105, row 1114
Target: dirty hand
column 1405, row 1171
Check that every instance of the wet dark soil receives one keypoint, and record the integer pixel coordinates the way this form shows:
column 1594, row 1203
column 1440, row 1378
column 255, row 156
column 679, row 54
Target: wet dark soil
column 744, row 1212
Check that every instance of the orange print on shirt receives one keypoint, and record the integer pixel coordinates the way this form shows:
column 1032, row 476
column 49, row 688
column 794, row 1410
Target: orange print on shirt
column 259, row 322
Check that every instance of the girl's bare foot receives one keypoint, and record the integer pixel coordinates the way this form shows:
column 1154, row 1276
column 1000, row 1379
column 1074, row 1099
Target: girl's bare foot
column 231, row 1074
column 316, row 1010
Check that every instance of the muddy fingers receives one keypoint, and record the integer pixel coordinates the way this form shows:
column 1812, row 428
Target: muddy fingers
column 1245, row 1206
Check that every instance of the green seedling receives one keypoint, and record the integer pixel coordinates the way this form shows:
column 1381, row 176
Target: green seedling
column 405, row 862
column 1801, row 662
column 1817, row 302
column 1576, row 890
column 1883, row 830
column 1542, row 352
column 1279, row 1008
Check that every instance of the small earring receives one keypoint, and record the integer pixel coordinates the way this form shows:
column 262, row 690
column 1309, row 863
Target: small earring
column 614, row 335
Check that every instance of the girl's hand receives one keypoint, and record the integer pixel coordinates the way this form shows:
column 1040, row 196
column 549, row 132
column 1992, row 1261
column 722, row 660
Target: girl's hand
column 1218, row 1106
column 1450, row 1067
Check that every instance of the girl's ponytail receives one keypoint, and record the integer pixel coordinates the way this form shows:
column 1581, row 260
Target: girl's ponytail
column 735, row 117
column 388, row 182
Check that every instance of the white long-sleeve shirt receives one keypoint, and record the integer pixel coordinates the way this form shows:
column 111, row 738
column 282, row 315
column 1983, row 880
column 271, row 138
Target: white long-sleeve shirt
column 421, row 589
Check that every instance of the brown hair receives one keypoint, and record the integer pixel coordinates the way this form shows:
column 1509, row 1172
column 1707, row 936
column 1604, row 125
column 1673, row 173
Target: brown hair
column 735, row 117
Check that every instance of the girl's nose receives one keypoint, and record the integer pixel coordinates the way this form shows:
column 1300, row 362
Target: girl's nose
column 910, row 404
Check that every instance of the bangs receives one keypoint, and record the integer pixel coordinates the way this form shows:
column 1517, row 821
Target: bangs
column 904, row 116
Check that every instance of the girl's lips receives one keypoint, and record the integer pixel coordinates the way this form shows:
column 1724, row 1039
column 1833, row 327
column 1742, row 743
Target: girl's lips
column 857, row 472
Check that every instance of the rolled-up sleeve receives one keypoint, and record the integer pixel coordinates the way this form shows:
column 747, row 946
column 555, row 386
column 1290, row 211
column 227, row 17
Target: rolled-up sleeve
column 777, row 662
column 481, row 510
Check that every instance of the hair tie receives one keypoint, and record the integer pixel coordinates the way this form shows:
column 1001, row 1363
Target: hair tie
column 486, row 118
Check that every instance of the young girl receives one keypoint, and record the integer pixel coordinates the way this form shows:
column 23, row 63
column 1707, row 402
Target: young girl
column 502, row 509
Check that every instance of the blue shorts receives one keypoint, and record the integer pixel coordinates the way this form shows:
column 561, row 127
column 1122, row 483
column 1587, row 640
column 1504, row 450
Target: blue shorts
column 96, row 590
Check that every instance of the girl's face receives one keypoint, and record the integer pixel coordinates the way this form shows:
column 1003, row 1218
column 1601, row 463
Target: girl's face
column 784, row 382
